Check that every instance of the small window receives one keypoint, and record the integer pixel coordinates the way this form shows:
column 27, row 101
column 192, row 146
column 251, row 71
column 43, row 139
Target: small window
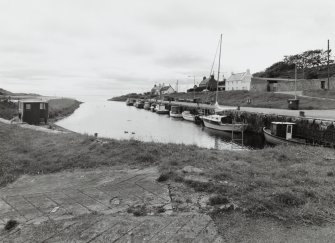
column 42, row 106
column 28, row 106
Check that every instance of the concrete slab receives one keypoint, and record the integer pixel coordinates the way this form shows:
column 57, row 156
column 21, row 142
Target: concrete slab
column 94, row 206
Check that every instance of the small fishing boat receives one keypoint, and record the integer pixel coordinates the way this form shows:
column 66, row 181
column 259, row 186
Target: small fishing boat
column 188, row 116
column 130, row 102
column 161, row 109
column 223, row 123
column 282, row 133
column 153, row 107
column 175, row 112
column 147, row 105
column 139, row 104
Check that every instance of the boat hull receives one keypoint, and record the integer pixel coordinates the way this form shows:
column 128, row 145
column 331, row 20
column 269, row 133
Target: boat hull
column 162, row 111
column 188, row 117
column 176, row 115
column 225, row 127
column 269, row 138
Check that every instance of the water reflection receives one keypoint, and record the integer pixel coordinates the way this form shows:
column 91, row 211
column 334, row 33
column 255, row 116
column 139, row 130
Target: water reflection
column 116, row 120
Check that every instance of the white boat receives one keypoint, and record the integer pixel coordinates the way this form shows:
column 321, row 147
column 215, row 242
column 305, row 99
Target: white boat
column 281, row 133
column 160, row 109
column 153, row 107
column 146, row 105
column 188, row 116
column 175, row 112
column 223, row 123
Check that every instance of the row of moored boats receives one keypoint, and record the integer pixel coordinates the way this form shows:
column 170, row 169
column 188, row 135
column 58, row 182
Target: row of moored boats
column 278, row 133
column 214, row 121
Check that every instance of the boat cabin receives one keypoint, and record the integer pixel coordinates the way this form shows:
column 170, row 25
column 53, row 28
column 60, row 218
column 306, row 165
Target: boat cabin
column 283, row 129
column 33, row 111
column 176, row 110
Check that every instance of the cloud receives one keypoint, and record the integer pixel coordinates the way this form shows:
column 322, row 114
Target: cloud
column 77, row 47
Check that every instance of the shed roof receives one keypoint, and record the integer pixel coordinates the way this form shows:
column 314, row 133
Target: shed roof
column 33, row 101
column 284, row 123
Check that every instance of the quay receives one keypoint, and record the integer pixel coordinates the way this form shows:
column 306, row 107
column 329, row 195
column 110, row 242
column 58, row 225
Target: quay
column 316, row 126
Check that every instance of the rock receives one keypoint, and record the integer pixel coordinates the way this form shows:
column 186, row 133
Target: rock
column 191, row 169
column 196, row 178
column 115, row 201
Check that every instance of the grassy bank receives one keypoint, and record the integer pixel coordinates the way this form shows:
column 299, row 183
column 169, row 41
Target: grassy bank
column 258, row 99
column 289, row 184
column 60, row 108
column 8, row 110
column 330, row 94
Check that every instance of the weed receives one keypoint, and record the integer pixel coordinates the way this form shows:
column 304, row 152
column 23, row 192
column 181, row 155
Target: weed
column 139, row 210
column 218, row 199
column 11, row 224
column 330, row 173
column 164, row 177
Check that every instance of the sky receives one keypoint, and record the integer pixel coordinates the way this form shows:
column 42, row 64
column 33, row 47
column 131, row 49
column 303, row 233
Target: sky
column 107, row 47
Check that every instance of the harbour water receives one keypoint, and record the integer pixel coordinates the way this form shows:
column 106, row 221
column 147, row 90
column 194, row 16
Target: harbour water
column 116, row 120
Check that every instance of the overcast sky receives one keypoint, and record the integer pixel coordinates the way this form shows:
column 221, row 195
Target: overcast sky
column 109, row 47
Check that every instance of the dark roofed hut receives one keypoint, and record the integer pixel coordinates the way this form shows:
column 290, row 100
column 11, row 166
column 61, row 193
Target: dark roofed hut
column 33, row 111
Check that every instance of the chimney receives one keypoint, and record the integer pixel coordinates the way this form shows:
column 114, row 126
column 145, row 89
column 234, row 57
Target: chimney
column 248, row 71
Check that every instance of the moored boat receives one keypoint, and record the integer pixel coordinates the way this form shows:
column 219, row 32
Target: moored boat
column 147, row 105
column 130, row 102
column 161, row 109
column 282, row 133
column 139, row 104
column 188, row 116
column 175, row 112
column 223, row 123
column 153, row 107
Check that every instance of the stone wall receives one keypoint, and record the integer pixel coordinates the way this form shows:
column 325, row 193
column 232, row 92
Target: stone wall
column 313, row 130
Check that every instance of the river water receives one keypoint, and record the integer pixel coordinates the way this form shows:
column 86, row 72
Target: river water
column 116, row 120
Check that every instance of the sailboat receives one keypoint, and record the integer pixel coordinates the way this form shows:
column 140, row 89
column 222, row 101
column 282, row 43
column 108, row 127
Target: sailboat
column 222, row 122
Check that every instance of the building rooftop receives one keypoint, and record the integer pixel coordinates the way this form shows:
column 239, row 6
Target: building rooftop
column 32, row 101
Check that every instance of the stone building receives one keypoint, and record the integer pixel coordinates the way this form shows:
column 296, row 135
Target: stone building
column 284, row 84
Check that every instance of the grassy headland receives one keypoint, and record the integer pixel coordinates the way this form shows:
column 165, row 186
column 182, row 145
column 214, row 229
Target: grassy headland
column 62, row 107
column 8, row 110
column 286, row 183
column 131, row 95
column 258, row 99
column 58, row 108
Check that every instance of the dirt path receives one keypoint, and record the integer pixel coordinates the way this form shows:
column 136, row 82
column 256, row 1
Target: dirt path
column 101, row 205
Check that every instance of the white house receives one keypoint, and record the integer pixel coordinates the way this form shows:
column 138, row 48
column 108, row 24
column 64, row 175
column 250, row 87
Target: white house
column 239, row 81
column 162, row 89
column 167, row 90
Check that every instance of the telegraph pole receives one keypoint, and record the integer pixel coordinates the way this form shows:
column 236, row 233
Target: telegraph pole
column 328, row 64
column 295, row 82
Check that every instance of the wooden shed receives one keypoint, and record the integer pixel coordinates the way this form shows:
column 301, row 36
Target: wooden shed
column 33, row 111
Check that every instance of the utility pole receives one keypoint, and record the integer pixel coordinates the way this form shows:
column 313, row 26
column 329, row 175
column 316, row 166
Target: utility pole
column 295, row 82
column 193, row 87
column 177, row 86
column 328, row 64
column 217, row 85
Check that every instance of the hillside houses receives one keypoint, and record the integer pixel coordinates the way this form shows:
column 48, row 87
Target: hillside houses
column 162, row 89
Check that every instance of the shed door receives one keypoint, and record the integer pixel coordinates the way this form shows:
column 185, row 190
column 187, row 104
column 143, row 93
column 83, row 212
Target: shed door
column 289, row 132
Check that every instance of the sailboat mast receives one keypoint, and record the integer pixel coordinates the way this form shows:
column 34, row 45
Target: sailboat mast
column 217, row 86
